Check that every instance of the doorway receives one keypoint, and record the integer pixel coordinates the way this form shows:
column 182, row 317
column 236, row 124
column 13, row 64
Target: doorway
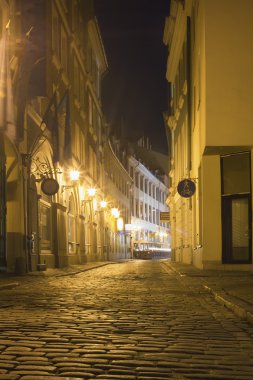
column 3, row 262
column 236, row 231
column 236, row 208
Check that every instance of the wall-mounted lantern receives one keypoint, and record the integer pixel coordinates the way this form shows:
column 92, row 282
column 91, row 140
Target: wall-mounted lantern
column 74, row 176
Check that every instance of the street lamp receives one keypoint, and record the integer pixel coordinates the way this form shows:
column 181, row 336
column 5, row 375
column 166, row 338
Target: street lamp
column 91, row 192
column 115, row 212
column 103, row 204
column 74, row 176
column 120, row 224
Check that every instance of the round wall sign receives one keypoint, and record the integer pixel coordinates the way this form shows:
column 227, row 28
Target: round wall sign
column 49, row 186
column 186, row 188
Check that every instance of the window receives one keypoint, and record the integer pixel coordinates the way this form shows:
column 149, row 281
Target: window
column 64, row 50
column 55, row 33
column 45, row 225
column 150, row 213
column 82, row 95
column 71, row 226
column 90, row 159
column 141, row 210
column 235, row 174
column 99, row 126
column 82, row 147
column 131, row 172
column 76, row 79
column 95, row 167
column 137, row 208
column 90, row 110
column 137, row 179
column 75, row 16
column 76, row 137
column 141, row 183
column 157, row 217
column 146, row 186
column 146, row 211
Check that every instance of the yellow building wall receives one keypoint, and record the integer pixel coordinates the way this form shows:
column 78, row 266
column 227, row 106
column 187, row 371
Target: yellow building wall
column 229, row 79
column 15, row 219
column 211, row 206
column 198, row 90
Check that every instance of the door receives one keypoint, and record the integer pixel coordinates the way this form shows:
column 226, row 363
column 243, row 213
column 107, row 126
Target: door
column 236, row 207
column 33, row 246
column 236, row 229
column 2, row 214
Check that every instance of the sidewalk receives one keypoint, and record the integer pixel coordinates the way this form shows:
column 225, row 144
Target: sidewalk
column 9, row 281
column 233, row 289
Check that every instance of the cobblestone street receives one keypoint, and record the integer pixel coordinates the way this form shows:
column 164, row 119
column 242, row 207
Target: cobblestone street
column 132, row 320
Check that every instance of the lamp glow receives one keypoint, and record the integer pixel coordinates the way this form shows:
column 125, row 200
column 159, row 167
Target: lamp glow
column 120, row 224
column 103, row 204
column 81, row 192
column 74, row 175
column 115, row 212
column 91, row 192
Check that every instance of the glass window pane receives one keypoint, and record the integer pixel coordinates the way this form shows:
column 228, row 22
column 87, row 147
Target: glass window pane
column 236, row 174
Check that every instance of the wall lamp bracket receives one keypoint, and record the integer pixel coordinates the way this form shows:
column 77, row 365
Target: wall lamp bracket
column 86, row 201
column 66, row 187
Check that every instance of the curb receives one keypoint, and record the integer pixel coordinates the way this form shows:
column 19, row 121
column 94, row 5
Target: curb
column 237, row 309
column 11, row 285
column 76, row 272
column 79, row 271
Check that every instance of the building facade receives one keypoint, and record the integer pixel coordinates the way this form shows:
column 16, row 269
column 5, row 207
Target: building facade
column 117, row 188
column 148, row 202
column 52, row 160
column 210, row 122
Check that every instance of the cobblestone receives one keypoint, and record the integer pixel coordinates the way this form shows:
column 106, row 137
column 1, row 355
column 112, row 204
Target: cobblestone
column 132, row 321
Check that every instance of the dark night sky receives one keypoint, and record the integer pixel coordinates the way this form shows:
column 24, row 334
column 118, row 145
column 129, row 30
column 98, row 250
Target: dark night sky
column 134, row 90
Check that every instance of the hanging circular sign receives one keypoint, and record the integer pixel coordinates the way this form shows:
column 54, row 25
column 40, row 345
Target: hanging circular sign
column 49, row 186
column 186, row 188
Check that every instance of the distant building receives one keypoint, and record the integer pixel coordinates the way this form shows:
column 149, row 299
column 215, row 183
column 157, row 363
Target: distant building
column 210, row 120
column 117, row 187
column 148, row 207
column 148, row 225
